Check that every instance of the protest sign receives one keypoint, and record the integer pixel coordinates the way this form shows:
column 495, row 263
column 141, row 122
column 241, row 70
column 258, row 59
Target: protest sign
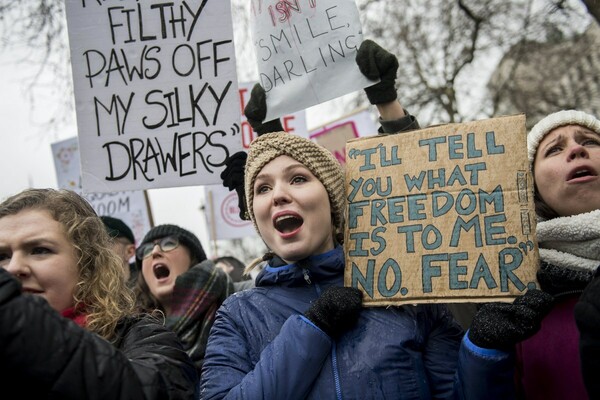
column 223, row 214
column 334, row 135
column 129, row 206
column 443, row 214
column 305, row 51
column 291, row 123
column 155, row 91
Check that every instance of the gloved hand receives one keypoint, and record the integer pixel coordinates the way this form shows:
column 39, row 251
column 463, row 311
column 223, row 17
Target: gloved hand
column 256, row 111
column 233, row 179
column 375, row 62
column 502, row 325
column 336, row 310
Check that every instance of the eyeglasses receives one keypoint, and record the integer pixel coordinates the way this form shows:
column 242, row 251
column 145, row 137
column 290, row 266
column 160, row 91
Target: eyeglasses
column 165, row 244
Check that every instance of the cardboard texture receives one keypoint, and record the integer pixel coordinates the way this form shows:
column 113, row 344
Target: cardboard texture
column 443, row 214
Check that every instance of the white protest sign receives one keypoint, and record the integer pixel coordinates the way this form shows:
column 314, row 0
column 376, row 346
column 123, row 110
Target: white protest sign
column 128, row 206
column 222, row 215
column 155, row 91
column 305, row 50
column 291, row 123
column 334, row 135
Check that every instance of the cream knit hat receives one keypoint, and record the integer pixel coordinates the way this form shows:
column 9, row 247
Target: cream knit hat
column 316, row 158
column 555, row 120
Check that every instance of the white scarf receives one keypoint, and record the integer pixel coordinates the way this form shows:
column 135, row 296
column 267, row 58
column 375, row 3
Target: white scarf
column 571, row 242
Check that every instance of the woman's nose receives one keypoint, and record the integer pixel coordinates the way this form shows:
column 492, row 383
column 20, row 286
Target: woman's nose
column 156, row 249
column 577, row 151
column 17, row 266
column 280, row 195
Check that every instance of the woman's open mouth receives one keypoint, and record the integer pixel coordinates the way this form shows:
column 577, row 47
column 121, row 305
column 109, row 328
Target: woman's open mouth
column 581, row 172
column 288, row 224
column 161, row 271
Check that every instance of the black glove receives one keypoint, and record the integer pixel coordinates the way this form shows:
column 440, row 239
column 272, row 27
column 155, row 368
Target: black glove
column 233, row 179
column 375, row 62
column 336, row 310
column 256, row 111
column 502, row 325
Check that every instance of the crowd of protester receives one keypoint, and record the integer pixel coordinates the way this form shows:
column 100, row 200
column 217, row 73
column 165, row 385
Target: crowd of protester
column 86, row 312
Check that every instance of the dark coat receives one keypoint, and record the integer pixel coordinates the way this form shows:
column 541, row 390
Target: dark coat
column 44, row 355
column 261, row 346
column 548, row 363
column 587, row 315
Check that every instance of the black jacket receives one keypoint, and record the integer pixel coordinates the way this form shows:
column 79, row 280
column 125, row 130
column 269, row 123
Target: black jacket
column 46, row 356
column 587, row 316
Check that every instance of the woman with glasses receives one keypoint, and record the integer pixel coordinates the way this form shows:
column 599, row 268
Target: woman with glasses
column 69, row 328
column 176, row 278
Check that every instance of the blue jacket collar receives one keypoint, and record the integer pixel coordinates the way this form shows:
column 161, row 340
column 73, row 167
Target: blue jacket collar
column 315, row 268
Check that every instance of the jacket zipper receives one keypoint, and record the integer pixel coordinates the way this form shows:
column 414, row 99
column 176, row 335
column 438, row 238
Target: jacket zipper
column 306, row 275
column 336, row 373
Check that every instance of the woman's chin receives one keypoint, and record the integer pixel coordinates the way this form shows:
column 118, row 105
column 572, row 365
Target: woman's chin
column 293, row 256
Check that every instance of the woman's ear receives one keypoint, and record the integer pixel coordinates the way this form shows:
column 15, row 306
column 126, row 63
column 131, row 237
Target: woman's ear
column 130, row 250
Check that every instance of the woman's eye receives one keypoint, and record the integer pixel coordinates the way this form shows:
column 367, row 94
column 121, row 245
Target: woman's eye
column 298, row 179
column 4, row 256
column 262, row 189
column 551, row 150
column 588, row 142
column 40, row 250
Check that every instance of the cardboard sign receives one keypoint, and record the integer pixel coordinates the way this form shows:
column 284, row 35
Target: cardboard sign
column 291, row 123
column 443, row 214
column 155, row 91
column 129, row 206
column 306, row 50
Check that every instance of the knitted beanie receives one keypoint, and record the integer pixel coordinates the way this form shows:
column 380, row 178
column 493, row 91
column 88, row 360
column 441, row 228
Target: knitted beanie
column 187, row 238
column 555, row 120
column 316, row 158
column 117, row 228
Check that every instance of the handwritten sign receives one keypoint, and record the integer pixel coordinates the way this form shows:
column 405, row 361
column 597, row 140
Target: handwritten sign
column 129, row 206
column 443, row 214
column 305, row 50
column 156, row 91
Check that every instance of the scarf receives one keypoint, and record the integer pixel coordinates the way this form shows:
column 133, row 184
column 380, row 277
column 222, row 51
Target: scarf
column 76, row 316
column 197, row 295
column 571, row 242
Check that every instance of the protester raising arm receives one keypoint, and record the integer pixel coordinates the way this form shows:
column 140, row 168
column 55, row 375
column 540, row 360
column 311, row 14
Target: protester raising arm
column 284, row 339
column 376, row 63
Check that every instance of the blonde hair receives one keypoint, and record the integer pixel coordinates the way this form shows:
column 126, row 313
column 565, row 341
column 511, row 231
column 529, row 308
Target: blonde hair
column 101, row 291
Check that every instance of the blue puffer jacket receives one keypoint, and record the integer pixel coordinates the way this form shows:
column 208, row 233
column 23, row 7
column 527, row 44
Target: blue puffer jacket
column 262, row 347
